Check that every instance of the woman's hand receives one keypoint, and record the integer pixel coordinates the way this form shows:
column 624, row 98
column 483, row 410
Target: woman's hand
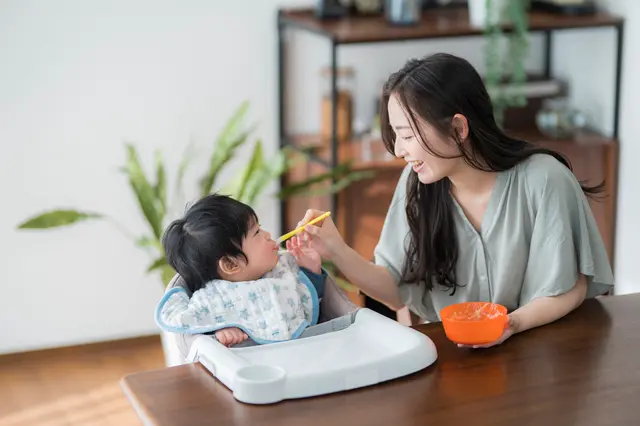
column 323, row 237
column 375, row 280
column 541, row 311
column 510, row 328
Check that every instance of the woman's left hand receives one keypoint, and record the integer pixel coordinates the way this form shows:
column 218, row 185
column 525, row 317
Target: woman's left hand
column 510, row 328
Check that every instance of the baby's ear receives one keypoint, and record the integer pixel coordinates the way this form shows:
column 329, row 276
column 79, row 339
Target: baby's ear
column 229, row 265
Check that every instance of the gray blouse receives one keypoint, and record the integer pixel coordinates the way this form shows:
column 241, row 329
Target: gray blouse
column 537, row 233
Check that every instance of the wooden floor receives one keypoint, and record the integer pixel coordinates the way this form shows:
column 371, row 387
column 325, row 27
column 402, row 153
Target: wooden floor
column 74, row 386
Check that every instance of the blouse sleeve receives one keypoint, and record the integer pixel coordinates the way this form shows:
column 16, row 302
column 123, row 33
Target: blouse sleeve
column 565, row 239
column 390, row 252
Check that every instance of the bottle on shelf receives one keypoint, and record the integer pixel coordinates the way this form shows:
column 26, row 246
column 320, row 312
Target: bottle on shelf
column 345, row 86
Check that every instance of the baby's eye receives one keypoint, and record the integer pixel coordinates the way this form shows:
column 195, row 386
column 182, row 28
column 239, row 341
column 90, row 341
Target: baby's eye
column 407, row 137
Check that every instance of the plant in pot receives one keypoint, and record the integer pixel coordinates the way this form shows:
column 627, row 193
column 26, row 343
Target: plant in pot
column 152, row 195
column 505, row 68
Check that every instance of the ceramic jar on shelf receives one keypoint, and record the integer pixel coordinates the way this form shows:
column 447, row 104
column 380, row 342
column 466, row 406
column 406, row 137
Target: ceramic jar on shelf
column 345, row 87
column 557, row 119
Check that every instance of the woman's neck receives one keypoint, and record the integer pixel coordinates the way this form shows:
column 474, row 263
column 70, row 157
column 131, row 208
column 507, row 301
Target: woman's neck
column 471, row 181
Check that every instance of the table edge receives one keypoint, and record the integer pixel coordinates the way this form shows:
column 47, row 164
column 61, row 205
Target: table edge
column 143, row 415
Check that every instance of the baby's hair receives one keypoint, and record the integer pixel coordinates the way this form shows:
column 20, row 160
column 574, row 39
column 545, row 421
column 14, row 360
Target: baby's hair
column 212, row 228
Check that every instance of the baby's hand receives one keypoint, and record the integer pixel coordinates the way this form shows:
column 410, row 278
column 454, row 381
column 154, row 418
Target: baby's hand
column 231, row 336
column 306, row 257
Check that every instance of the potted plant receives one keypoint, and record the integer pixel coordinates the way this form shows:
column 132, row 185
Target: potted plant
column 504, row 64
column 152, row 195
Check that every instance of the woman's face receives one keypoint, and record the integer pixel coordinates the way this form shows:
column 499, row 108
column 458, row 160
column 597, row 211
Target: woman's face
column 411, row 148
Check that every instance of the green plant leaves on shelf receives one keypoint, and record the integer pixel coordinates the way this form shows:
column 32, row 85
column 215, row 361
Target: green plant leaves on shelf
column 144, row 192
column 57, row 218
column 506, row 65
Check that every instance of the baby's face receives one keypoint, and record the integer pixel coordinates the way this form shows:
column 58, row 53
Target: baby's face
column 261, row 251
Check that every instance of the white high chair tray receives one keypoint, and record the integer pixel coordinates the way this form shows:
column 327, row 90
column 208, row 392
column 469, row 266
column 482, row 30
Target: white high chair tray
column 371, row 350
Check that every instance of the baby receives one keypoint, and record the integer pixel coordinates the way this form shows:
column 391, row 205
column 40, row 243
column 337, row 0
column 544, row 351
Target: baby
column 240, row 286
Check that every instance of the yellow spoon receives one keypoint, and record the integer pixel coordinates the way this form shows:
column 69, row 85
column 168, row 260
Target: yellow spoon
column 300, row 229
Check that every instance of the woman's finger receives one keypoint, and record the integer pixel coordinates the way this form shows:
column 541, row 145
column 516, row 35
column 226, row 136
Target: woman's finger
column 310, row 215
column 312, row 230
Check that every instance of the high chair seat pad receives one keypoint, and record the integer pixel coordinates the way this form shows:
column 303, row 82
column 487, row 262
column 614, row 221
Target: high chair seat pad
column 277, row 307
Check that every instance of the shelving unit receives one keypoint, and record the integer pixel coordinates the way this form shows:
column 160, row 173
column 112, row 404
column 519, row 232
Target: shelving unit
column 447, row 23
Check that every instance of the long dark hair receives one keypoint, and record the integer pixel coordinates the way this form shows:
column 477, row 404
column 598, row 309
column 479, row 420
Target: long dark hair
column 434, row 89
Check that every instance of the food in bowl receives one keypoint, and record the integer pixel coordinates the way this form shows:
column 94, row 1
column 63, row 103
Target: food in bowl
column 474, row 323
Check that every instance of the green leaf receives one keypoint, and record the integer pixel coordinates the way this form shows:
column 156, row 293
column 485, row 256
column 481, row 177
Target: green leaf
column 253, row 169
column 342, row 283
column 57, row 218
column 348, row 180
column 329, row 266
column 143, row 191
column 160, row 188
column 301, row 189
column 346, row 285
column 146, row 241
column 222, row 154
column 303, row 186
column 270, row 171
column 157, row 264
column 182, row 168
column 230, row 139
column 342, row 174
column 167, row 274
column 166, row 271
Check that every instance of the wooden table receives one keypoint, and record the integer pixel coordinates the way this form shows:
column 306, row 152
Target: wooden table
column 581, row 370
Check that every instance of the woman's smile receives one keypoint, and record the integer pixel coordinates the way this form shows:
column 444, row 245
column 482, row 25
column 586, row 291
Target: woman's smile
column 417, row 165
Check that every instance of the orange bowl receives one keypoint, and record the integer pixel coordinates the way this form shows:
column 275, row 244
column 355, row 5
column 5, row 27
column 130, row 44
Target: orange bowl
column 473, row 323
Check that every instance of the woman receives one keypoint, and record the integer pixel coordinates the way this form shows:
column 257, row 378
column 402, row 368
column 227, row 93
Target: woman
column 477, row 215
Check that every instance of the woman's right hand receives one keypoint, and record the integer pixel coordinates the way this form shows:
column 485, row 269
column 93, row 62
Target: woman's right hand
column 323, row 237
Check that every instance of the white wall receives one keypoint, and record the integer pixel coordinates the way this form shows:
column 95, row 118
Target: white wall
column 628, row 225
column 80, row 76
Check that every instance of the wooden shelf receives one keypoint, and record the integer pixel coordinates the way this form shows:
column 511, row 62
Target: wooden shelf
column 348, row 151
column 381, row 159
column 453, row 22
column 584, row 138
